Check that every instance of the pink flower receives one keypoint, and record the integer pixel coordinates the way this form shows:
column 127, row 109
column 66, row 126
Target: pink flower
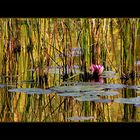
column 96, row 69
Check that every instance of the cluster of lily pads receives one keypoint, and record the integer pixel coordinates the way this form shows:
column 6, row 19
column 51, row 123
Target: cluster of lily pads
column 85, row 91
column 88, row 92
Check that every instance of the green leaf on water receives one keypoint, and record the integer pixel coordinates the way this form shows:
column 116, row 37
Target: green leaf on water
column 76, row 118
column 104, row 100
column 31, row 90
column 87, row 98
column 135, row 100
column 108, row 93
column 76, row 88
column 114, row 86
column 134, row 87
column 5, row 85
column 108, row 73
column 109, row 76
column 72, row 94
column 102, row 93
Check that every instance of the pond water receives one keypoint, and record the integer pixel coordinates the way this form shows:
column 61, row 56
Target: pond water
column 44, row 67
column 69, row 101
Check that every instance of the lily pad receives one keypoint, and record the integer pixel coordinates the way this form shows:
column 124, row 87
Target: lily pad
column 137, row 105
column 108, row 93
column 109, row 76
column 5, row 85
column 104, row 100
column 87, row 98
column 114, row 86
column 80, row 118
column 31, row 90
column 134, row 87
column 76, row 88
column 95, row 84
column 75, row 94
column 102, row 93
column 92, row 93
column 135, row 100
column 137, row 62
column 108, row 73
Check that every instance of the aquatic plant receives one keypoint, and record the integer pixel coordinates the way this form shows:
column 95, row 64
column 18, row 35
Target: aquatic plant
column 96, row 69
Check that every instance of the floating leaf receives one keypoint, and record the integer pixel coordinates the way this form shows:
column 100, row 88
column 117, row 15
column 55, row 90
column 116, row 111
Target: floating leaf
column 76, row 88
column 31, row 90
column 108, row 93
column 75, row 94
column 80, row 118
column 104, row 100
column 102, row 93
column 137, row 62
column 93, row 93
column 109, row 76
column 137, row 105
column 135, row 100
column 87, row 98
column 5, row 85
column 114, row 86
column 108, row 73
column 94, row 84
column 134, row 87
column 68, row 83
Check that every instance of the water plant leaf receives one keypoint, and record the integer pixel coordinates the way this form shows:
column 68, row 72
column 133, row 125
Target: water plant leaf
column 87, row 98
column 102, row 93
column 108, row 93
column 137, row 105
column 108, row 73
column 73, row 94
column 134, row 87
column 104, row 100
column 76, row 88
column 114, row 86
column 97, row 84
column 109, row 76
column 137, row 63
column 135, row 100
column 6, row 85
column 76, row 118
column 31, row 90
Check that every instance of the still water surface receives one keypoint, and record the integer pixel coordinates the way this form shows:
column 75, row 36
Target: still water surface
column 23, row 98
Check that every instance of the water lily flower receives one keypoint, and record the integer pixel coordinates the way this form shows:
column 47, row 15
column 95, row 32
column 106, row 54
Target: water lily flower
column 96, row 69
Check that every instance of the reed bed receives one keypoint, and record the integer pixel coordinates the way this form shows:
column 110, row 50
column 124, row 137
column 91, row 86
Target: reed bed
column 32, row 48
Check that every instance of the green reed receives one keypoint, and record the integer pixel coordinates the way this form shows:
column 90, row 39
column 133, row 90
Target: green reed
column 37, row 43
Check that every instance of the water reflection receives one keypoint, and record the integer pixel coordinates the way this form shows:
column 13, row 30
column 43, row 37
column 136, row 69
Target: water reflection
column 45, row 70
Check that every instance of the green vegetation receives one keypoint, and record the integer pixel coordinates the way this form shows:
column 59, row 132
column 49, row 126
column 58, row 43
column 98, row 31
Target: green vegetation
column 41, row 53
